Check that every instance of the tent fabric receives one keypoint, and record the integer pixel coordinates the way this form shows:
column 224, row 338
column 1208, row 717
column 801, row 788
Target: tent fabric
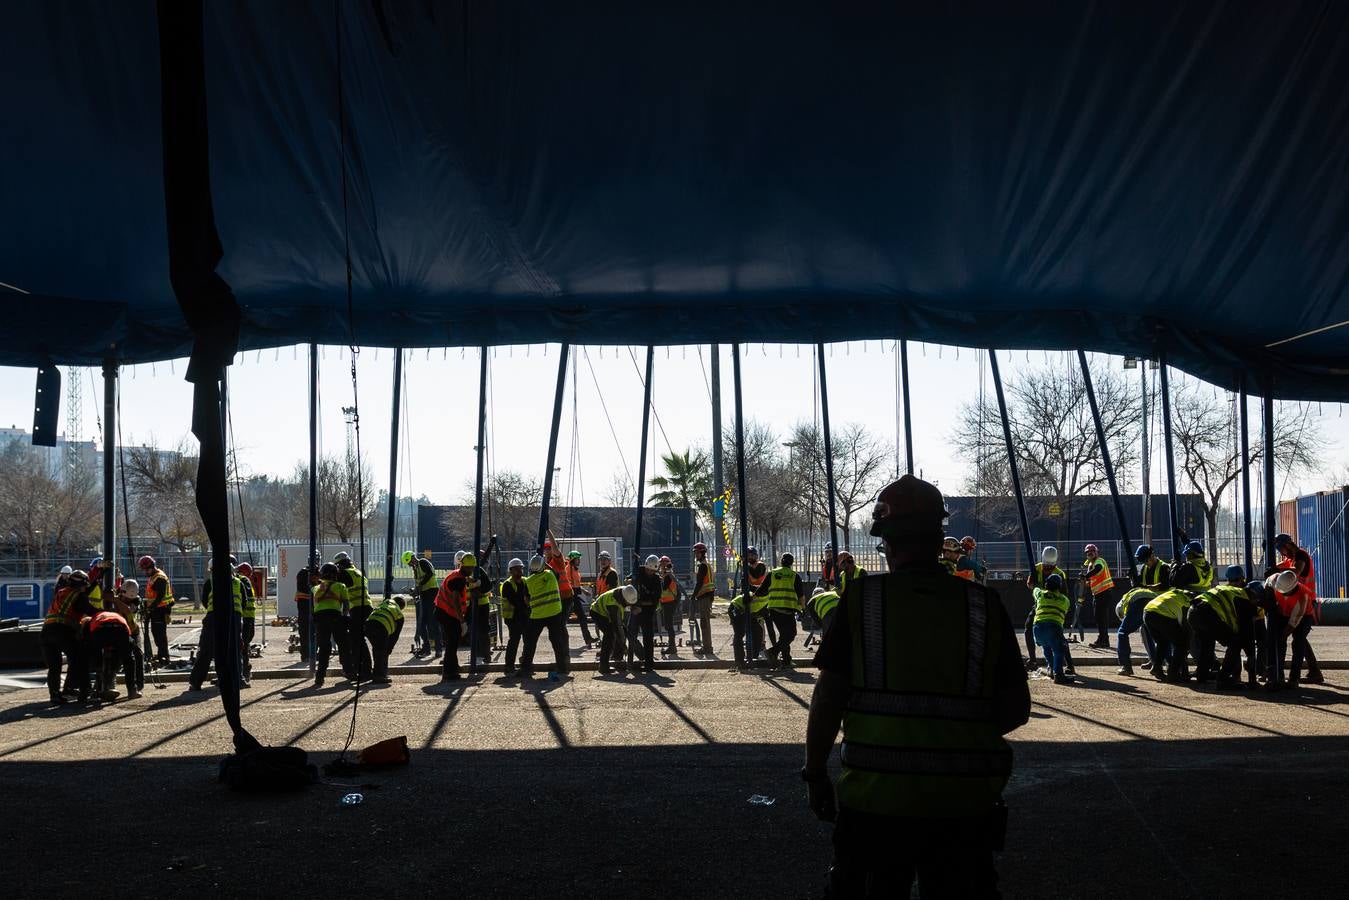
column 1123, row 177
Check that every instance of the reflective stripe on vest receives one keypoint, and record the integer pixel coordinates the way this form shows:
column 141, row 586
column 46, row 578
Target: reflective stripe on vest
column 453, row 601
column 154, row 599
column 1223, row 601
column 608, row 605
column 249, row 606
column 426, row 576
column 1152, row 572
column 236, row 588
column 825, row 604
column 545, row 600
column 387, row 615
column 328, row 597
column 703, row 579
column 844, row 579
column 919, row 732
column 1051, row 606
column 62, row 609
column 669, row 590
column 1101, row 581
column 782, row 590
column 1139, row 595
column 358, row 592
column 1170, row 604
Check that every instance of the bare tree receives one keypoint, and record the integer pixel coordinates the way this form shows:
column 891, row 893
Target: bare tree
column 163, row 486
column 860, row 460
column 620, row 492
column 346, row 495
column 510, row 509
column 43, row 516
column 771, row 485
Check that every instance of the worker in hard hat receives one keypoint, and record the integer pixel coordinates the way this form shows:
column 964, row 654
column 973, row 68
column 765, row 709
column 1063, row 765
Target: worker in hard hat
column 249, row 612
column 1039, row 573
column 61, row 637
column 514, row 609
column 1153, row 573
column 304, row 611
column 950, row 554
column 1222, row 615
column 451, row 614
column 608, row 610
column 786, row 595
column 107, row 635
column 1051, row 608
column 233, row 608
column 1165, row 617
column 670, row 592
column 557, row 562
column 704, row 593
column 158, row 605
column 545, row 612
column 62, row 576
column 757, row 571
column 821, row 606
column 382, row 628
column 479, row 587
column 606, row 579
column 424, row 587
column 126, row 602
column 848, row 571
column 1095, row 575
column 1299, row 561
column 330, row 596
column 1129, row 610
column 969, row 566
column 358, row 610
column 578, row 598
column 743, row 629
column 649, row 586
column 828, row 566
column 1192, row 573
column 1290, row 618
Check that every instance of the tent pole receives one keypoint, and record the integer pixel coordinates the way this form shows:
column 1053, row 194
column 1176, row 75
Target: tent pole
column 313, row 491
column 1244, row 400
column 1011, row 459
column 828, row 452
column 742, row 506
column 1271, row 501
column 641, row 460
column 1109, row 467
column 109, row 491
column 1170, row 460
column 392, row 504
column 552, row 445
column 718, row 480
column 908, row 418
column 481, row 449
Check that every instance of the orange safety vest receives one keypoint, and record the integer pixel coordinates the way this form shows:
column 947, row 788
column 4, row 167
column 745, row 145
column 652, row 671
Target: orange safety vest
column 603, row 584
column 1309, row 583
column 704, row 579
column 108, row 618
column 1101, row 581
column 755, row 582
column 669, row 589
column 453, row 600
column 155, row 599
column 62, row 611
column 574, row 576
column 559, row 566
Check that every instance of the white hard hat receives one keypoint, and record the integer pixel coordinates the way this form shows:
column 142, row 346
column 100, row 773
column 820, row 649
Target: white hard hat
column 1119, row 610
column 604, row 554
column 536, row 563
column 1285, row 582
column 515, row 561
column 628, row 593
column 66, row 570
column 459, row 556
column 131, row 587
column 652, row 561
column 1049, row 555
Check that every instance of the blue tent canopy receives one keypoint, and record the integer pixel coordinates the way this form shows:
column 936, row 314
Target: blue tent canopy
column 1123, row 177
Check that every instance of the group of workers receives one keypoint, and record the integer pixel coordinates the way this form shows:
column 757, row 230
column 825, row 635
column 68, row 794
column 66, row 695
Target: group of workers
column 1181, row 611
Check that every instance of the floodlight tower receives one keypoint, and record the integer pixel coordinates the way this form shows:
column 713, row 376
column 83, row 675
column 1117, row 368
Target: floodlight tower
column 74, row 423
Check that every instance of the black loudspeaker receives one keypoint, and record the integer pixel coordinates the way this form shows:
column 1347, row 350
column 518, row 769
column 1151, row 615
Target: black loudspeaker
column 46, row 406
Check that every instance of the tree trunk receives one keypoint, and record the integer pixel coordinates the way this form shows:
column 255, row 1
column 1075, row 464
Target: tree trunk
column 1211, row 523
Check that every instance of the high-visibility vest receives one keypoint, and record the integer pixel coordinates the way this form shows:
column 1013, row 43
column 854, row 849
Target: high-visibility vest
column 1137, row 595
column 753, row 580
column 782, row 590
column 1039, row 575
column 702, row 579
column 920, row 736
column 387, row 614
column 1170, row 604
column 606, row 580
column 62, row 610
column 516, row 592
column 426, row 575
column 1099, row 581
column 669, row 589
column 1153, row 571
column 249, row 604
column 110, row 620
column 329, row 596
column 236, row 588
column 558, row 566
column 154, row 600
column 757, row 604
column 453, row 600
column 1309, row 582
column 948, row 564
column 608, row 605
column 844, row 579
column 545, row 599
column 825, row 604
column 475, row 588
column 358, row 593
column 1050, row 606
column 1223, row 601
column 964, row 568
column 1205, row 570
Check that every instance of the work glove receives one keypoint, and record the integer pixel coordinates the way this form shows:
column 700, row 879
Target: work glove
column 820, row 796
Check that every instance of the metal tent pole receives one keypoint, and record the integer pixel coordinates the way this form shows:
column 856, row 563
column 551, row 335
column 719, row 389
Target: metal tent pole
column 904, row 390
column 313, row 492
column 742, row 506
column 641, row 461
column 392, row 503
column 718, row 481
column 1271, row 502
column 552, row 445
column 1244, row 400
column 1170, row 459
column 481, row 448
column 1011, row 459
column 1109, row 468
column 829, row 452
column 109, row 484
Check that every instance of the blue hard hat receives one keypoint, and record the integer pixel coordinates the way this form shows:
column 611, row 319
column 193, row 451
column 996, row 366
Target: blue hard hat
column 1194, row 548
column 1235, row 573
column 1054, row 582
column 1143, row 552
column 96, row 562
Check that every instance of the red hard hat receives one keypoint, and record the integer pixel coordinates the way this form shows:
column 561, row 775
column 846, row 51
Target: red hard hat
column 700, row 546
column 244, row 569
column 146, row 562
column 968, row 542
column 666, row 561
column 1092, row 548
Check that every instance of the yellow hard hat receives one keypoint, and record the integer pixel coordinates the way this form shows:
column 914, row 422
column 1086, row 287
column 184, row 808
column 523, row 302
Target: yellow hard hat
column 469, row 561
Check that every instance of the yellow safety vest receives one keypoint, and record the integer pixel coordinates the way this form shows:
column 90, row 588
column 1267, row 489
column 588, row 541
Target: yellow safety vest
column 236, row 588
column 1171, row 604
column 545, row 600
column 1050, row 606
column 358, row 594
column 388, row 615
column 782, row 590
column 329, row 596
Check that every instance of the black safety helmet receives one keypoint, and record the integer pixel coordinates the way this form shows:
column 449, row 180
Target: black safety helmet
column 328, row 571
column 909, row 507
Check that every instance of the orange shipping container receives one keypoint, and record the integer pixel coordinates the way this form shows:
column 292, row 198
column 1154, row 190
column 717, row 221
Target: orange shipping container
column 1288, row 519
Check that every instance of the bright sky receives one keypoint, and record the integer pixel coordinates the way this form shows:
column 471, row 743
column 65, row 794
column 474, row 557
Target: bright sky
column 268, row 394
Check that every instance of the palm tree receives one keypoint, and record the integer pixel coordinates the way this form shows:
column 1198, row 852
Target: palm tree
column 686, row 484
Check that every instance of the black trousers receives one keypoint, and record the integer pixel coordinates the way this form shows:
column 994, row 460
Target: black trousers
column 701, row 611
column 1030, row 634
column 784, row 623
column 1301, row 649
column 1103, row 607
column 62, row 640
column 159, row 630
column 329, row 628
column 1173, row 645
column 246, row 631
column 742, row 624
column 111, row 647
column 1207, row 631
column 1277, row 644
column 426, row 611
column 304, row 622
column 451, row 629
column 879, row 856
column 513, row 632
column 575, row 604
column 381, row 645
column 201, row 666
column 479, row 630
column 667, row 622
column 557, row 636
column 643, row 620
column 611, row 641
column 360, row 650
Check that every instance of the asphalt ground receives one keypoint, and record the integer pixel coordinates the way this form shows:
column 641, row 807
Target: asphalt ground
column 622, row 786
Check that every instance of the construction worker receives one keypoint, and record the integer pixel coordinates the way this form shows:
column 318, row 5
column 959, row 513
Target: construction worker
column 62, row 575
column 828, row 566
column 1293, row 557
column 608, row 610
column 743, row 629
column 61, row 636
column 479, row 586
column 1130, row 611
column 206, row 642
column 670, row 592
column 1222, row 615
column 126, row 602
column 553, row 557
column 382, row 628
column 1095, row 574
column 96, row 572
column 451, row 610
column 249, row 611
column 424, row 586
column 304, row 613
column 1051, row 608
column 578, row 598
column 514, row 609
column 822, row 604
column 607, row 577
column 1291, row 617
column 949, row 677
column 108, row 637
column 330, row 596
column 358, row 610
column 757, row 569
column 1039, row 573
column 545, row 612
column 649, row 585
column 969, row 566
column 950, row 554
column 848, row 571
column 1194, row 573
column 704, row 593
column 1165, row 618
column 1153, row 572
column 158, row 605
column 785, row 593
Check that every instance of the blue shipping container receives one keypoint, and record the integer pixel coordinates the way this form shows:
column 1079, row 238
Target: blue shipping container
column 22, row 600
column 1330, row 554
column 1309, row 525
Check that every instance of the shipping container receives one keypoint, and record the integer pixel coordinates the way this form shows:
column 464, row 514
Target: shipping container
column 1308, row 521
column 1288, row 518
column 1328, row 547
column 21, row 600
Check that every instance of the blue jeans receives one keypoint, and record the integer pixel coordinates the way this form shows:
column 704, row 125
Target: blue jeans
column 1050, row 636
column 1133, row 621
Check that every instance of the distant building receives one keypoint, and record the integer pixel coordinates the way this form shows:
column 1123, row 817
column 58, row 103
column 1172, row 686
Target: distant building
column 72, row 458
